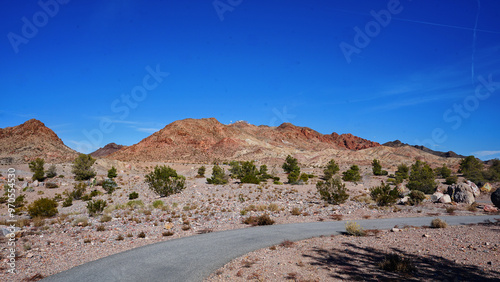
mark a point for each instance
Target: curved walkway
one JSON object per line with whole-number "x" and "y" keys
{"x": 196, "y": 257}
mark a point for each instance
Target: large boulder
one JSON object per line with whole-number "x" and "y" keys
{"x": 445, "y": 199}
{"x": 462, "y": 193}
{"x": 474, "y": 188}
{"x": 436, "y": 196}
{"x": 495, "y": 198}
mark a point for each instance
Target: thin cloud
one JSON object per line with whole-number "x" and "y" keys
{"x": 486, "y": 153}
{"x": 147, "y": 130}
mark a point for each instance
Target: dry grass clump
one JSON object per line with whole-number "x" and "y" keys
{"x": 354, "y": 229}
{"x": 105, "y": 218}
{"x": 296, "y": 211}
{"x": 438, "y": 223}
{"x": 258, "y": 220}
{"x": 167, "y": 233}
{"x": 450, "y": 209}
{"x": 396, "y": 263}
{"x": 472, "y": 207}
{"x": 287, "y": 244}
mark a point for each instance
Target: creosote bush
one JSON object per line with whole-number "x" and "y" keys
{"x": 112, "y": 173}
{"x": 201, "y": 172}
{"x": 109, "y": 185}
{"x": 352, "y": 174}
{"x": 133, "y": 195}
{"x": 43, "y": 207}
{"x": 219, "y": 176}
{"x": 165, "y": 181}
{"x": 82, "y": 167}
{"x": 258, "y": 220}
{"x": 332, "y": 191}
{"x": 384, "y": 195}
{"x": 36, "y": 167}
{"x": 416, "y": 197}
{"x": 96, "y": 207}
{"x": 377, "y": 168}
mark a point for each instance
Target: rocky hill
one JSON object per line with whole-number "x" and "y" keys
{"x": 32, "y": 139}
{"x": 449, "y": 154}
{"x": 206, "y": 140}
{"x": 106, "y": 150}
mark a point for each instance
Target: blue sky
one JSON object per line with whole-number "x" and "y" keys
{"x": 425, "y": 72}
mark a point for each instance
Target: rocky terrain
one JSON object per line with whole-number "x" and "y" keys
{"x": 106, "y": 150}
{"x": 32, "y": 139}
{"x": 449, "y": 154}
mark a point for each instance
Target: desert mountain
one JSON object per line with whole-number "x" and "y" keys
{"x": 30, "y": 140}
{"x": 449, "y": 154}
{"x": 106, "y": 150}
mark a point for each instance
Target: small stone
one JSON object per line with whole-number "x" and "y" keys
{"x": 394, "y": 229}
{"x": 425, "y": 235}
{"x": 29, "y": 255}
{"x": 490, "y": 262}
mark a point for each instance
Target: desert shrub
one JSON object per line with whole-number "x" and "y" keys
{"x": 472, "y": 207}
{"x": 201, "y": 172}
{"x": 352, "y": 174}
{"x": 134, "y": 204}
{"x": 218, "y": 176}
{"x": 51, "y": 185}
{"x": 384, "y": 195}
{"x": 442, "y": 172}
{"x": 158, "y": 204}
{"x": 472, "y": 169}
{"x": 416, "y": 197}
{"x": 438, "y": 223}
{"x": 165, "y": 181}
{"x": 452, "y": 179}
{"x": 295, "y": 211}
{"x": 451, "y": 210}
{"x": 167, "y": 233}
{"x": 36, "y": 167}
{"x": 96, "y": 207}
{"x": 332, "y": 191}
{"x": 133, "y": 195}
{"x": 291, "y": 164}
{"x": 277, "y": 182}
{"x": 119, "y": 237}
{"x": 43, "y": 207}
{"x": 109, "y": 185}
{"x": 258, "y": 220}
{"x": 51, "y": 172}
{"x": 354, "y": 229}
{"x": 396, "y": 263}
{"x": 304, "y": 177}
{"x": 402, "y": 173}
{"x": 377, "y": 168}
{"x": 141, "y": 235}
{"x": 67, "y": 202}
{"x": 235, "y": 169}
{"x": 422, "y": 178}
{"x": 82, "y": 167}
{"x": 78, "y": 190}
{"x": 112, "y": 172}
{"x": 105, "y": 218}
{"x": 101, "y": 228}
{"x": 331, "y": 169}
{"x": 57, "y": 197}
{"x": 293, "y": 177}
{"x": 249, "y": 173}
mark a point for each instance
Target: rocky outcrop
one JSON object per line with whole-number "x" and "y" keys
{"x": 106, "y": 150}
{"x": 462, "y": 193}
{"x": 31, "y": 140}
{"x": 449, "y": 154}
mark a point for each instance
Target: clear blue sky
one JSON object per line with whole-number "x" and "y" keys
{"x": 425, "y": 72}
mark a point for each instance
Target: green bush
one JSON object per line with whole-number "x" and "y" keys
{"x": 377, "y": 168}
{"x": 249, "y": 173}
{"x": 133, "y": 195}
{"x": 158, "y": 204}
{"x": 112, "y": 173}
{"x": 78, "y": 191}
{"x": 51, "y": 185}
{"x": 201, "y": 171}
{"x": 332, "y": 191}
{"x": 304, "y": 177}
{"x": 452, "y": 179}
{"x": 43, "y": 207}
{"x": 235, "y": 169}
{"x": 293, "y": 177}
{"x": 416, "y": 197}
{"x": 442, "y": 172}
{"x": 352, "y": 174}
{"x": 219, "y": 177}
{"x": 165, "y": 181}
{"x": 422, "y": 178}
{"x": 109, "y": 185}
{"x": 51, "y": 172}
{"x": 384, "y": 195}
{"x": 331, "y": 169}
{"x": 402, "y": 173}
{"x": 67, "y": 202}
{"x": 82, "y": 167}
{"x": 96, "y": 207}
{"x": 36, "y": 167}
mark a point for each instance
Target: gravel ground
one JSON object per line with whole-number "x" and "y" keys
{"x": 73, "y": 237}
{"x": 457, "y": 253}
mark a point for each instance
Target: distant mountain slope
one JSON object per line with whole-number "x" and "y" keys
{"x": 205, "y": 140}
{"x": 106, "y": 150}
{"x": 32, "y": 139}
{"x": 449, "y": 154}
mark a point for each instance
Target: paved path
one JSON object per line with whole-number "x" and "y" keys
{"x": 194, "y": 258}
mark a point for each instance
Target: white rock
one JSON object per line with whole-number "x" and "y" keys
{"x": 445, "y": 199}
{"x": 436, "y": 196}
{"x": 35, "y": 183}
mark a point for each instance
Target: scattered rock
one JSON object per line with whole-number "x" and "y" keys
{"x": 436, "y": 196}
{"x": 495, "y": 198}
{"x": 426, "y": 236}
{"x": 35, "y": 183}
{"x": 462, "y": 193}
{"x": 446, "y": 199}
{"x": 403, "y": 200}
{"x": 394, "y": 229}
{"x": 490, "y": 208}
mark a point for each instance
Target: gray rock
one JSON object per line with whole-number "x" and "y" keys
{"x": 495, "y": 198}
{"x": 436, "y": 196}
{"x": 461, "y": 193}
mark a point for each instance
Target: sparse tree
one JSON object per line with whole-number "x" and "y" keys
{"x": 219, "y": 177}
{"x": 384, "y": 195}
{"x": 165, "y": 181}
{"x": 51, "y": 172}
{"x": 201, "y": 171}
{"x": 352, "y": 174}
{"x": 402, "y": 173}
{"x": 377, "y": 168}
{"x": 332, "y": 191}
{"x": 82, "y": 167}
{"x": 331, "y": 169}
{"x": 291, "y": 164}
{"x": 422, "y": 178}
{"x": 36, "y": 167}
{"x": 442, "y": 172}
{"x": 112, "y": 173}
